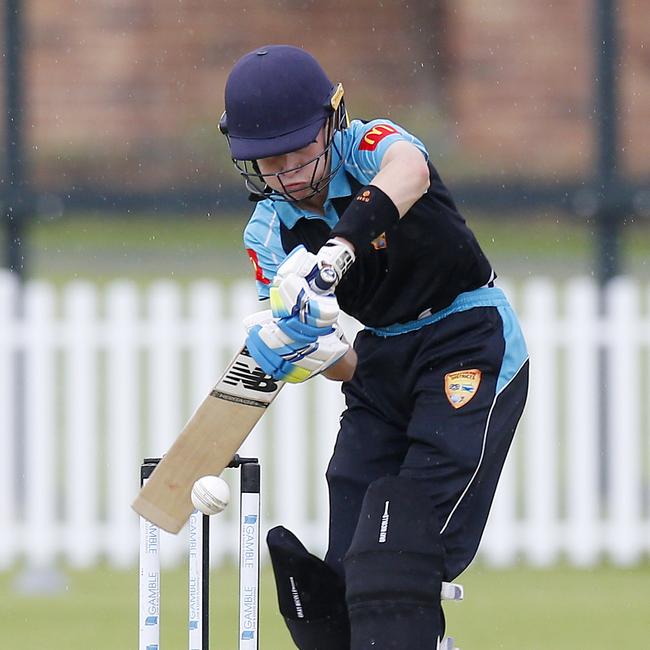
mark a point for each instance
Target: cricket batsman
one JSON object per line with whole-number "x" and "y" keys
{"x": 435, "y": 383}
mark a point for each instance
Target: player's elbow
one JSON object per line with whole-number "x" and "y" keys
{"x": 343, "y": 369}
{"x": 421, "y": 178}
{"x": 415, "y": 173}
{"x": 404, "y": 175}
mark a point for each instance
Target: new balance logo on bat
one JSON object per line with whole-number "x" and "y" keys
{"x": 252, "y": 379}
{"x": 246, "y": 383}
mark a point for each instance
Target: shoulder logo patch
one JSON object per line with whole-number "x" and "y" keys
{"x": 259, "y": 273}
{"x": 461, "y": 386}
{"x": 374, "y": 136}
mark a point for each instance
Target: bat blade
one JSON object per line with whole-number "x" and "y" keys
{"x": 208, "y": 442}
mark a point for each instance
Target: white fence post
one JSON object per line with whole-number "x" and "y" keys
{"x": 584, "y": 541}
{"x": 8, "y": 347}
{"x": 41, "y": 541}
{"x": 206, "y": 329}
{"x": 163, "y": 362}
{"x": 81, "y": 424}
{"x": 121, "y": 459}
{"x": 540, "y": 445}
{"x": 623, "y": 426}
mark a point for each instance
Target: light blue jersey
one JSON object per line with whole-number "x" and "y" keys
{"x": 362, "y": 146}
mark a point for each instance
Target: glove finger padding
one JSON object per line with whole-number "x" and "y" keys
{"x": 311, "y": 595}
{"x": 300, "y": 332}
{"x": 257, "y": 318}
{"x": 284, "y": 359}
{"x": 299, "y": 262}
{"x": 292, "y": 296}
{"x": 297, "y": 332}
{"x": 327, "y": 351}
{"x": 267, "y": 348}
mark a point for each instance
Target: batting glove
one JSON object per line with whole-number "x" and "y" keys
{"x": 292, "y": 295}
{"x": 295, "y": 293}
{"x": 283, "y": 358}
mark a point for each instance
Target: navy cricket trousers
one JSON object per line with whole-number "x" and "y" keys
{"x": 438, "y": 404}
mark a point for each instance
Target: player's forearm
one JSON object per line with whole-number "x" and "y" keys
{"x": 344, "y": 368}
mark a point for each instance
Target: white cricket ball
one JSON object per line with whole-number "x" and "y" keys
{"x": 210, "y": 495}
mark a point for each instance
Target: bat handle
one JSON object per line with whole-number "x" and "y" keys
{"x": 325, "y": 280}
{"x": 336, "y": 259}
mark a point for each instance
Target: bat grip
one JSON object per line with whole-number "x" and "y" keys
{"x": 335, "y": 259}
{"x": 325, "y": 279}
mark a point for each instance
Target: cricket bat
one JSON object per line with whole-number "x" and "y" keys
{"x": 219, "y": 426}
{"x": 208, "y": 442}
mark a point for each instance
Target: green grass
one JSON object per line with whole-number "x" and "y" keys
{"x": 559, "y": 609}
{"x": 99, "y": 611}
{"x": 516, "y": 609}
{"x": 144, "y": 247}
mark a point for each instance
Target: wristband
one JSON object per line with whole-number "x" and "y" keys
{"x": 370, "y": 214}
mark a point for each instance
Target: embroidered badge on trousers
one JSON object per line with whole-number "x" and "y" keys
{"x": 461, "y": 386}
{"x": 380, "y": 242}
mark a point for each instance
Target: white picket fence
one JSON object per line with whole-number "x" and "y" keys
{"x": 108, "y": 376}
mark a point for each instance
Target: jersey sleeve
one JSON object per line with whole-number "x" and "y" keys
{"x": 367, "y": 143}
{"x": 264, "y": 247}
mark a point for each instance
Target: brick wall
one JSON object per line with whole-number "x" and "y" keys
{"x": 635, "y": 87}
{"x": 129, "y": 91}
{"x": 523, "y": 84}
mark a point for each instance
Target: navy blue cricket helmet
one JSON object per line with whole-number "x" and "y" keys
{"x": 277, "y": 99}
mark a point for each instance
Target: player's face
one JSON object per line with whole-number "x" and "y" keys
{"x": 296, "y": 173}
